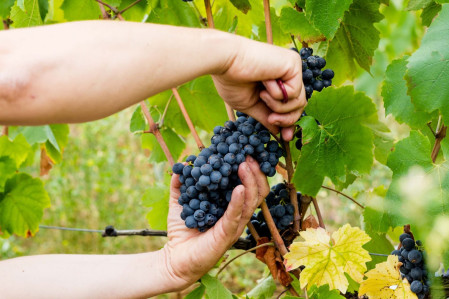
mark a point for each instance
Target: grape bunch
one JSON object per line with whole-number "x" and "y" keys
{"x": 208, "y": 180}
{"x": 313, "y": 78}
{"x": 413, "y": 265}
{"x": 312, "y": 75}
{"x": 281, "y": 209}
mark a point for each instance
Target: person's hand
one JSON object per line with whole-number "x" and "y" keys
{"x": 254, "y": 62}
{"x": 189, "y": 254}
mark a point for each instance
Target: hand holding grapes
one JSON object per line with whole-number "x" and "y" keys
{"x": 254, "y": 62}
{"x": 189, "y": 254}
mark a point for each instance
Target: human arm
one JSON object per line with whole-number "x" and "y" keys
{"x": 187, "y": 255}
{"x": 82, "y": 71}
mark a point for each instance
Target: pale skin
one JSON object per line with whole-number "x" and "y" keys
{"x": 83, "y": 71}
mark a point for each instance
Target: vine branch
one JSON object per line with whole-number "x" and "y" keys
{"x": 210, "y": 18}
{"x": 345, "y": 195}
{"x": 108, "y": 6}
{"x": 6, "y": 23}
{"x": 154, "y": 129}
{"x": 266, "y": 8}
{"x": 162, "y": 119}
{"x": 273, "y": 229}
{"x": 5, "y": 130}
{"x": 188, "y": 120}
{"x": 243, "y": 253}
{"x": 253, "y": 231}
{"x": 439, "y": 136}
{"x": 129, "y": 6}
{"x": 318, "y": 212}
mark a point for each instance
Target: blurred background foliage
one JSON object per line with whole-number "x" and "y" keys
{"x": 105, "y": 172}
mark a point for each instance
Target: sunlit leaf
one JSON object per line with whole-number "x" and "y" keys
{"x": 326, "y": 259}
{"x": 385, "y": 282}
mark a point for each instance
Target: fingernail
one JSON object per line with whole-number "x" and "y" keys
{"x": 250, "y": 159}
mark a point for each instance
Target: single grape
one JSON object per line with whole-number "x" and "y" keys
{"x": 416, "y": 287}
{"x": 408, "y": 244}
{"x": 177, "y": 168}
{"x": 327, "y": 74}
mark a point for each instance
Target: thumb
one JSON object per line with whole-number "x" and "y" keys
{"x": 228, "y": 224}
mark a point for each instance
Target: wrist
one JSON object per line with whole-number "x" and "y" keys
{"x": 223, "y": 46}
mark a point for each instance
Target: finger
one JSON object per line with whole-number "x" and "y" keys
{"x": 261, "y": 180}
{"x": 226, "y": 228}
{"x": 284, "y": 120}
{"x": 261, "y": 112}
{"x": 287, "y": 133}
{"x": 175, "y": 184}
{"x": 280, "y": 107}
{"x": 272, "y": 87}
{"x": 251, "y": 193}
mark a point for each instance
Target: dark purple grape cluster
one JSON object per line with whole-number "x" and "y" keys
{"x": 281, "y": 209}
{"x": 313, "y": 76}
{"x": 413, "y": 265}
{"x": 208, "y": 180}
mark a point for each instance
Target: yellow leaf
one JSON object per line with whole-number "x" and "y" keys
{"x": 385, "y": 282}
{"x": 326, "y": 260}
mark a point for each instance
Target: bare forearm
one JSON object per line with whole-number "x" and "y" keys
{"x": 85, "y": 276}
{"x": 83, "y": 71}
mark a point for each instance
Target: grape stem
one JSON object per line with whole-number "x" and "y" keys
{"x": 273, "y": 229}
{"x": 243, "y": 253}
{"x": 154, "y": 129}
{"x": 293, "y": 196}
{"x": 318, "y": 213}
{"x": 305, "y": 202}
{"x": 345, "y": 195}
{"x": 188, "y": 120}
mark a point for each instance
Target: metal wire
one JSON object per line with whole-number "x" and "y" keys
{"x": 71, "y": 229}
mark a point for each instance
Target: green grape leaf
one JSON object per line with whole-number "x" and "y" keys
{"x": 43, "y": 8}
{"x": 428, "y": 68}
{"x": 214, "y": 288}
{"x": 174, "y": 143}
{"x": 396, "y": 100}
{"x": 7, "y": 169}
{"x": 326, "y": 15}
{"x": 204, "y": 105}
{"x": 323, "y": 292}
{"x": 342, "y": 144}
{"x": 17, "y": 149}
{"x": 383, "y": 142}
{"x": 429, "y": 12}
{"x": 264, "y": 289}
{"x": 355, "y": 40}
{"x": 137, "y": 121}
{"x": 296, "y": 23}
{"x": 28, "y": 17}
{"x": 55, "y": 146}
{"x": 418, "y": 4}
{"x": 22, "y": 204}
{"x": 75, "y": 10}
{"x": 197, "y": 293}
{"x": 5, "y": 8}
{"x": 242, "y": 5}
{"x": 156, "y": 198}
{"x": 175, "y": 13}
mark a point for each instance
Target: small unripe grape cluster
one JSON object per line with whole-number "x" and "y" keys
{"x": 281, "y": 209}
{"x": 208, "y": 180}
{"x": 413, "y": 265}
